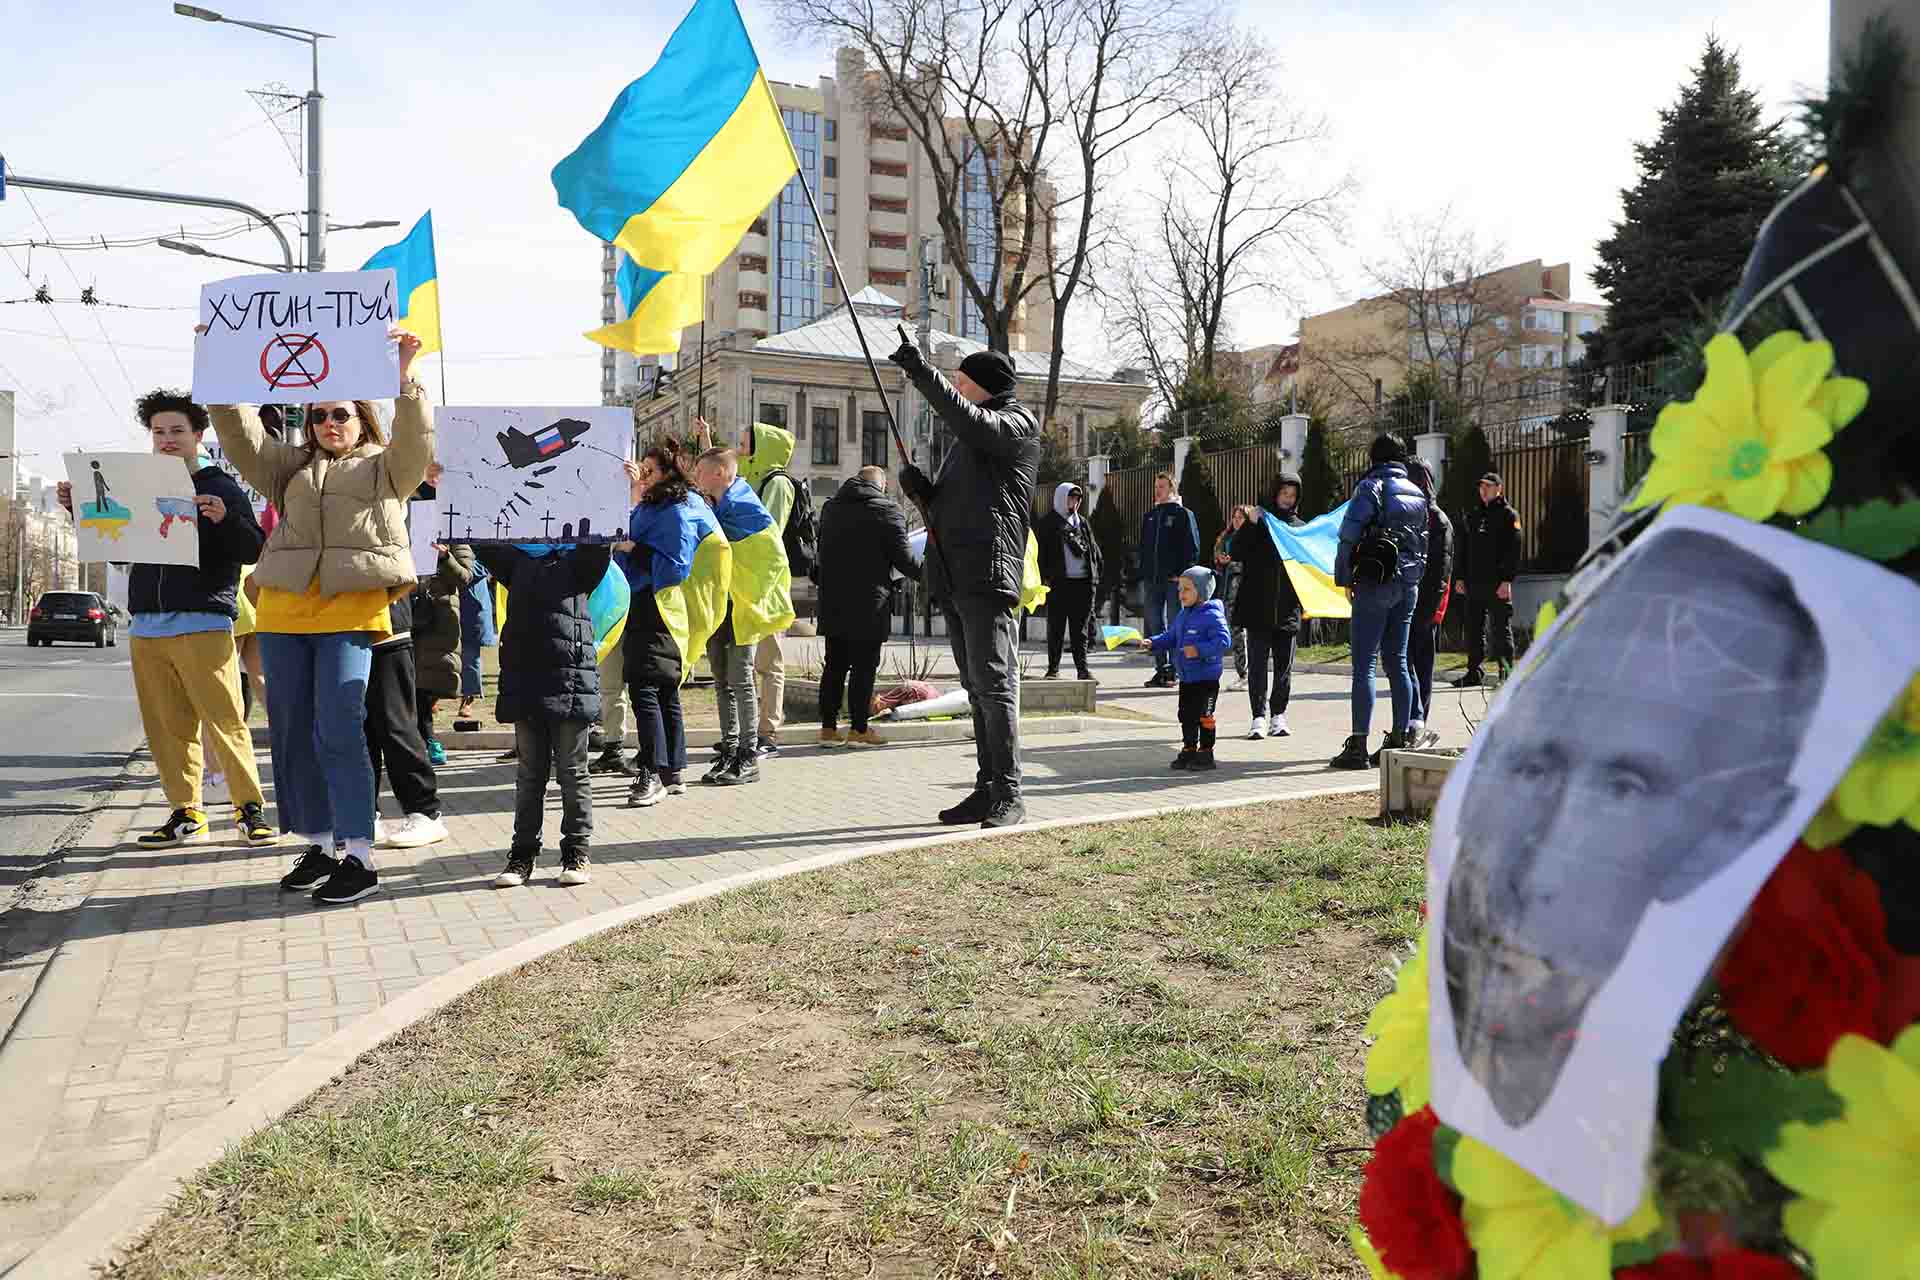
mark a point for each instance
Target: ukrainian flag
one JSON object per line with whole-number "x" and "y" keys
{"x": 416, "y": 282}
{"x": 659, "y": 305}
{"x": 762, "y": 583}
{"x": 1307, "y": 551}
{"x": 607, "y": 605}
{"x": 693, "y": 605}
{"x": 1033, "y": 590}
{"x": 691, "y": 153}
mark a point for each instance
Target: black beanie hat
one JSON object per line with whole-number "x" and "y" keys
{"x": 991, "y": 370}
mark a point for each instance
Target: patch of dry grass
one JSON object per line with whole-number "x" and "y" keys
{"x": 1114, "y": 1051}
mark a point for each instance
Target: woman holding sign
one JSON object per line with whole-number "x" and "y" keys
{"x": 339, "y": 555}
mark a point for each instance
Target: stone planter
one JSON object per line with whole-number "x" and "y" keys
{"x": 1037, "y": 697}
{"x": 1410, "y": 781}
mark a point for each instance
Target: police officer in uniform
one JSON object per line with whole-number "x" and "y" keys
{"x": 1489, "y": 557}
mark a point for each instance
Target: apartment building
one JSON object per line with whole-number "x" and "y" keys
{"x": 877, "y": 198}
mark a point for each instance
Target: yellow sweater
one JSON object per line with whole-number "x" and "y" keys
{"x": 308, "y": 613}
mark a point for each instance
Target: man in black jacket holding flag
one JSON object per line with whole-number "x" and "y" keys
{"x": 977, "y": 511}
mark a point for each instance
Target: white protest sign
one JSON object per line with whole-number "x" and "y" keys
{"x": 422, "y": 516}
{"x": 136, "y": 508}
{"x": 297, "y": 338}
{"x": 533, "y": 475}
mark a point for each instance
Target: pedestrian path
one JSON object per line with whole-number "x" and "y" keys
{"x": 186, "y": 976}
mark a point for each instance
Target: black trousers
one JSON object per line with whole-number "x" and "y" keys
{"x": 560, "y": 746}
{"x": 1277, "y": 648}
{"x": 1069, "y": 604}
{"x": 1489, "y": 629}
{"x": 986, "y": 649}
{"x": 1197, "y": 701}
{"x": 394, "y": 741}
{"x": 852, "y": 663}
{"x": 660, "y": 728}
{"x": 1422, "y": 641}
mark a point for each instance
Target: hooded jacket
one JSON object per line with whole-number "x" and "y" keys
{"x": 982, "y": 500}
{"x": 213, "y": 586}
{"x": 1437, "y": 581}
{"x": 1052, "y": 533}
{"x": 1385, "y": 496}
{"x": 770, "y": 449}
{"x": 1266, "y": 600}
{"x": 549, "y": 663}
{"x": 436, "y": 624}
{"x": 1204, "y": 626}
{"x": 343, "y": 521}
{"x": 863, "y": 542}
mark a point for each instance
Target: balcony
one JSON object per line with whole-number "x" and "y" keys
{"x": 755, "y": 281}
{"x": 754, "y": 243}
{"x": 892, "y": 184}
{"x": 752, "y": 318}
{"x": 886, "y": 222}
{"x": 888, "y": 149}
{"x": 886, "y": 259}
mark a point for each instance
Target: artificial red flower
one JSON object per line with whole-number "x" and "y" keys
{"x": 1813, "y": 962}
{"x": 1413, "y": 1218}
{"x": 1730, "y": 1264}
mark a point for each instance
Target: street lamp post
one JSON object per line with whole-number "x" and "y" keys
{"x": 316, "y": 203}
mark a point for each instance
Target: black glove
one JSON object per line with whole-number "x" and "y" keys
{"x": 914, "y": 483}
{"x": 908, "y": 355}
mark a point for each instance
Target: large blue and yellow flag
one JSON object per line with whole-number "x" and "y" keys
{"x": 762, "y": 584}
{"x": 1307, "y": 552}
{"x": 690, "y": 565}
{"x": 691, "y": 153}
{"x": 416, "y": 282}
{"x": 659, "y": 304}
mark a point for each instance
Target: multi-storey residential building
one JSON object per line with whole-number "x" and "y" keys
{"x": 877, "y": 198}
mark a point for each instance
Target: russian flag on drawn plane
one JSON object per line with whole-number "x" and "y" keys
{"x": 550, "y": 441}
{"x": 691, "y": 153}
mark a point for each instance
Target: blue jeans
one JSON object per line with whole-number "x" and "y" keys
{"x": 1382, "y": 619}
{"x": 316, "y": 712}
{"x": 470, "y": 663}
{"x": 1158, "y": 596}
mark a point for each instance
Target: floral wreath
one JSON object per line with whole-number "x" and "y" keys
{"x": 1787, "y": 1138}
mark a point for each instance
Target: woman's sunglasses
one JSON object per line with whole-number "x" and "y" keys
{"x": 339, "y": 413}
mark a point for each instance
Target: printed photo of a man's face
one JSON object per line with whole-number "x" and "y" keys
{"x": 1647, "y": 750}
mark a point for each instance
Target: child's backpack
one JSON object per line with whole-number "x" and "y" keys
{"x": 802, "y": 534}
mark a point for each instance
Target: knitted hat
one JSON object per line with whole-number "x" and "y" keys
{"x": 1202, "y": 580}
{"x": 992, "y": 371}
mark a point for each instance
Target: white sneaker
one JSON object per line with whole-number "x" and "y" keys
{"x": 1259, "y": 729}
{"x": 1277, "y": 728}
{"x": 1422, "y": 738}
{"x": 380, "y": 834}
{"x": 414, "y": 831}
{"x": 1236, "y": 684}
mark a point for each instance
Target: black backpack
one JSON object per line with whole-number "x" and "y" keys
{"x": 802, "y": 534}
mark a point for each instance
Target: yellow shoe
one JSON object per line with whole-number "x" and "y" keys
{"x": 832, "y": 738}
{"x": 871, "y": 738}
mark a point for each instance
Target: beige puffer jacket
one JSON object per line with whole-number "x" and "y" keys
{"x": 344, "y": 519}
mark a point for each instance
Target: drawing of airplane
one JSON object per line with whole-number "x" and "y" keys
{"x": 525, "y": 450}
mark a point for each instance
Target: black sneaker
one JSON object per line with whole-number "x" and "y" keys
{"x": 1471, "y": 680}
{"x": 1156, "y": 681}
{"x": 574, "y": 868}
{"x": 1084, "y": 676}
{"x": 612, "y": 760}
{"x": 253, "y": 825}
{"x": 1182, "y": 761}
{"x": 1202, "y": 762}
{"x": 1353, "y": 755}
{"x": 646, "y": 791}
{"x": 519, "y": 870}
{"x": 596, "y": 740}
{"x": 1051, "y": 673}
{"x": 349, "y": 882}
{"x": 1392, "y": 742}
{"x": 181, "y": 826}
{"x": 1008, "y": 811}
{"x": 721, "y": 763}
{"x": 740, "y": 770}
{"x": 315, "y": 865}
{"x": 509, "y": 755}
{"x": 766, "y": 748}
{"x": 973, "y": 809}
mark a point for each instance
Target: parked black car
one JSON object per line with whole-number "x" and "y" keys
{"x": 73, "y": 615}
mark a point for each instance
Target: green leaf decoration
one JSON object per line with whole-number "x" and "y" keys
{"x": 1739, "y": 1108}
{"x": 1383, "y": 1112}
{"x": 1878, "y": 530}
{"x": 1445, "y": 1142}
{"x": 1637, "y": 1253}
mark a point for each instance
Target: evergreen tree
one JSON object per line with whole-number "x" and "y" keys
{"x": 1707, "y": 180}
{"x": 1200, "y": 496}
{"x": 1110, "y": 531}
{"x": 1210, "y": 409}
{"x": 1057, "y": 465}
{"x": 1563, "y": 524}
{"x": 1125, "y": 442}
{"x": 1470, "y": 458}
{"x": 1320, "y": 480}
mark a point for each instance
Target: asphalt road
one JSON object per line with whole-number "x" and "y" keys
{"x": 68, "y": 722}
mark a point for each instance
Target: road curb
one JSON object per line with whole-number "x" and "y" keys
{"x": 897, "y": 733}
{"x": 132, "y": 1205}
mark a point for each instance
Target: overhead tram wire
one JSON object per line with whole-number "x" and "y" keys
{"x": 133, "y": 392}
{"x": 112, "y": 408}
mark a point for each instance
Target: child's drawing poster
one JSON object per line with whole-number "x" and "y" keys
{"x": 134, "y": 508}
{"x": 532, "y": 475}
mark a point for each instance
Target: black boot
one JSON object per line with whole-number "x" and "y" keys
{"x": 1392, "y": 742}
{"x": 1353, "y": 755}
{"x": 1184, "y": 760}
{"x": 1471, "y": 680}
{"x": 973, "y": 809}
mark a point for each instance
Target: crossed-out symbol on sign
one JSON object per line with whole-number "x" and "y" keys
{"x": 285, "y": 361}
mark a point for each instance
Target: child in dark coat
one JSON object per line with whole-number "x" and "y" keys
{"x": 1199, "y": 640}
{"x": 549, "y": 693}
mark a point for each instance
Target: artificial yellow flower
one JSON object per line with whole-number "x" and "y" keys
{"x": 1369, "y": 1256}
{"x": 1521, "y": 1227}
{"x": 1882, "y": 786}
{"x": 1399, "y": 1058}
{"x": 1859, "y": 1175}
{"x": 1752, "y": 440}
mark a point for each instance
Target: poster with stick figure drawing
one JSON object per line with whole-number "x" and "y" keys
{"x": 532, "y": 475}
{"x": 134, "y": 508}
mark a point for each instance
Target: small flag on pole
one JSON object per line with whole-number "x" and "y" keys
{"x": 1114, "y": 637}
{"x": 416, "y": 279}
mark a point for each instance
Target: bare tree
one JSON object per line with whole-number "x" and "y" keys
{"x": 1233, "y": 219}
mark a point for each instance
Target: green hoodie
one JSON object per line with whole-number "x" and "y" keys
{"x": 772, "y": 448}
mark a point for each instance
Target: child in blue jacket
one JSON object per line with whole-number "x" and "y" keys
{"x": 1198, "y": 639}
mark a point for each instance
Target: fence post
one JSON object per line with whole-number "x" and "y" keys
{"x": 1606, "y": 444}
{"x": 1293, "y": 441}
{"x": 1431, "y": 446}
{"x": 1096, "y": 478}
{"x": 1181, "y": 448}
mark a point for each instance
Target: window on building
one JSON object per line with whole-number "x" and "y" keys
{"x": 774, "y": 415}
{"x": 895, "y": 278}
{"x": 873, "y": 439}
{"x": 832, "y": 129}
{"x": 1542, "y": 320}
{"x": 753, "y": 301}
{"x": 887, "y": 204}
{"x": 833, "y": 167}
{"x": 1588, "y": 324}
{"x": 1503, "y": 324}
{"x": 888, "y": 169}
{"x": 891, "y": 132}
{"x": 759, "y": 227}
{"x": 826, "y": 436}
{"x": 885, "y": 240}
{"x": 753, "y": 262}
{"x": 829, "y": 203}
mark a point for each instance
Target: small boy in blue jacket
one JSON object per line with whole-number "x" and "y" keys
{"x": 1198, "y": 639}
